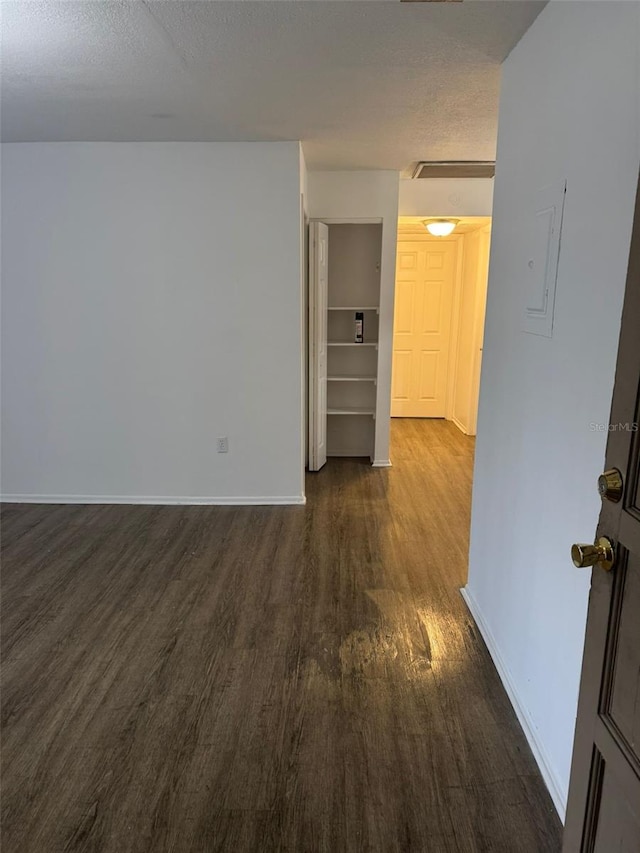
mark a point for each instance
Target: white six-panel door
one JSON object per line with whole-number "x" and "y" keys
{"x": 318, "y": 300}
{"x": 425, "y": 277}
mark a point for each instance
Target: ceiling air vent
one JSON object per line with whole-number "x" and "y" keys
{"x": 455, "y": 169}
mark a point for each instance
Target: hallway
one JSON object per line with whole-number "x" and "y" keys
{"x": 262, "y": 678}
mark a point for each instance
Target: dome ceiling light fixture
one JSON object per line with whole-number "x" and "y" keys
{"x": 440, "y": 227}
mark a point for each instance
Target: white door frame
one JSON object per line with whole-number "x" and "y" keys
{"x": 318, "y": 297}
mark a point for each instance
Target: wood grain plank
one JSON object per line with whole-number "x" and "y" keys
{"x": 261, "y": 678}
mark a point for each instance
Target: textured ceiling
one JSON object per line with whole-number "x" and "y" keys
{"x": 363, "y": 84}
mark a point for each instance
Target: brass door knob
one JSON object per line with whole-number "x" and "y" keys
{"x": 610, "y": 485}
{"x": 601, "y": 553}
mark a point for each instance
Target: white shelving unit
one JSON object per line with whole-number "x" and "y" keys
{"x": 352, "y": 379}
{"x": 352, "y": 371}
{"x": 354, "y": 308}
{"x": 352, "y": 344}
{"x": 352, "y": 410}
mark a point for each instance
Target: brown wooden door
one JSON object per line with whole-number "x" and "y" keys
{"x": 603, "y": 812}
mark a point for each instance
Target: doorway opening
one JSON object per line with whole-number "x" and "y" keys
{"x": 344, "y": 320}
{"x": 440, "y": 301}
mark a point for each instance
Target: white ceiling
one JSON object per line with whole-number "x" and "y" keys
{"x": 363, "y": 84}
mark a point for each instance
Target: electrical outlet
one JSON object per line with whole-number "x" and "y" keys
{"x": 223, "y": 444}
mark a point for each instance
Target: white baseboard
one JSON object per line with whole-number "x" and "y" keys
{"x": 558, "y": 795}
{"x": 460, "y": 425}
{"x": 279, "y": 500}
{"x": 381, "y": 463}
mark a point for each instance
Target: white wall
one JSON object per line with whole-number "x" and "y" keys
{"x": 445, "y": 197}
{"x": 152, "y": 302}
{"x": 304, "y": 320}
{"x": 468, "y": 350}
{"x": 368, "y": 195}
{"x": 569, "y": 109}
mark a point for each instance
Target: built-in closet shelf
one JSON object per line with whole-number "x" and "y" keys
{"x": 353, "y": 294}
{"x": 355, "y": 308}
{"x": 373, "y": 379}
{"x": 352, "y": 410}
{"x": 352, "y": 344}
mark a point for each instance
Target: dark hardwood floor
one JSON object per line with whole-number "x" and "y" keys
{"x": 259, "y": 679}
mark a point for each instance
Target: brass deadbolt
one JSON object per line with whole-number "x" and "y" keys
{"x": 610, "y": 485}
{"x": 601, "y": 553}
